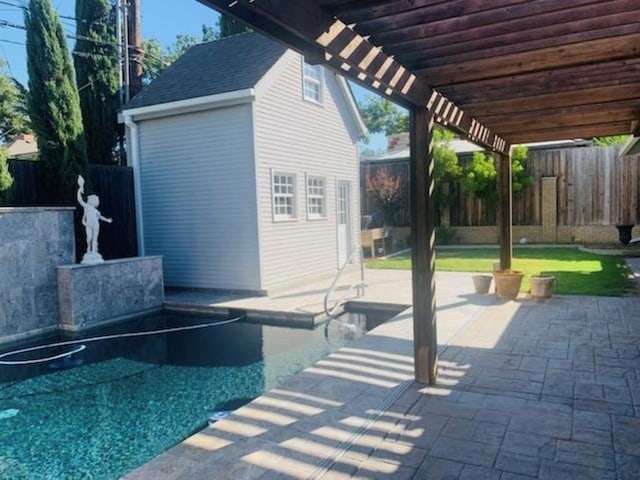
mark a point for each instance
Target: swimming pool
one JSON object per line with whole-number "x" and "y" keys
{"x": 118, "y": 403}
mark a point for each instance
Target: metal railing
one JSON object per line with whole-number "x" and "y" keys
{"x": 359, "y": 286}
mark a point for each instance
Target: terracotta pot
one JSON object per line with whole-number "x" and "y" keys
{"x": 542, "y": 286}
{"x": 482, "y": 283}
{"x": 508, "y": 283}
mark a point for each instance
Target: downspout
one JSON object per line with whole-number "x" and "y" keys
{"x": 134, "y": 156}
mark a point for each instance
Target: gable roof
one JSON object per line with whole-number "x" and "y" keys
{"x": 233, "y": 63}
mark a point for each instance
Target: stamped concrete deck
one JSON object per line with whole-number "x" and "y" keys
{"x": 527, "y": 389}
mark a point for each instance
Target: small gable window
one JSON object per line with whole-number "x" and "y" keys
{"x": 312, "y": 82}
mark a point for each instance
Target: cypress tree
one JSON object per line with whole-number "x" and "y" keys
{"x": 54, "y": 105}
{"x": 6, "y": 180}
{"x": 96, "y": 65}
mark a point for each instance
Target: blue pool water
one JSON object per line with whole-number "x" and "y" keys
{"x": 119, "y": 403}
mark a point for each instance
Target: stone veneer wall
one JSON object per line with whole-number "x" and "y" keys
{"x": 33, "y": 241}
{"x": 92, "y": 295}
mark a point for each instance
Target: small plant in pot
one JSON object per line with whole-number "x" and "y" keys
{"x": 541, "y": 285}
{"x": 508, "y": 283}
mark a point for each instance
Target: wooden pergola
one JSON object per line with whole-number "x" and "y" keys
{"x": 497, "y": 72}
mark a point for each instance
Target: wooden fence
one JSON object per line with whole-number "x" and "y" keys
{"x": 596, "y": 186}
{"x": 113, "y": 184}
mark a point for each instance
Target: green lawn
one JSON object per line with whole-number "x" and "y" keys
{"x": 576, "y": 272}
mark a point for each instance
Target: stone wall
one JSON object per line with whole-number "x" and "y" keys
{"x": 92, "y": 295}
{"x": 33, "y": 241}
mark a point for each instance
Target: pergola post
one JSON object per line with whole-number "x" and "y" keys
{"x": 505, "y": 211}
{"x": 425, "y": 344}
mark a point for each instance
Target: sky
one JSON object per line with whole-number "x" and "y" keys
{"x": 162, "y": 19}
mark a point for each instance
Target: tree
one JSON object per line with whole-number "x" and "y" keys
{"x": 388, "y": 192}
{"x": 480, "y": 176}
{"x": 13, "y": 109}
{"x": 607, "y": 141}
{"x": 54, "y": 105}
{"x": 97, "y": 76}
{"x": 227, "y": 25}
{"x": 156, "y": 58}
{"x": 382, "y": 116}
{"x": 6, "y": 180}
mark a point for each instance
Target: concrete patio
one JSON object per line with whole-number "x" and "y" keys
{"x": 528, "y": 389}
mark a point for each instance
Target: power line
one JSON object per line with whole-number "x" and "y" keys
{"x": 6, "y": 23}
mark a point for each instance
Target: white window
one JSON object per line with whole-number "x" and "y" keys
{"x": 312, "y": 82}
{"x": 316, "y": 195}
{"x": 284, "y": 196}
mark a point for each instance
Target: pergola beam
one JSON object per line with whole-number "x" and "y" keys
{"x": 564, "y": 79}
{"x": 307, "y": 26}
{"x": 500, "y": 19}
{"x": 598, "y": 21}
{"x": 559, "y": 19}
{"x": 587, "y": 115}
{"x": 550, "y": 134}
{"x": 552, "y": 100}
{"x": 587, "y": 52}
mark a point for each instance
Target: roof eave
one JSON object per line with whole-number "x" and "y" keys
{"x": 190, "y": 105}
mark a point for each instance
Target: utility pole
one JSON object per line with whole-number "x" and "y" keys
{"x": 120, "y": 49}
{"x": 127, "y": 62}
{"x": 134, "y": 47}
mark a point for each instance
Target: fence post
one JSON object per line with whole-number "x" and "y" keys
{"x": 549, "y": 209}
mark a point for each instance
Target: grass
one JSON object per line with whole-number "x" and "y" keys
{"x": 576, "y": 272}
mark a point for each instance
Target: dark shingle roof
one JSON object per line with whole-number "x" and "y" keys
{"x": 233, "y": 63}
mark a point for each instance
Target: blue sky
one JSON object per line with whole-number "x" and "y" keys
{"x": 162, "y": 19}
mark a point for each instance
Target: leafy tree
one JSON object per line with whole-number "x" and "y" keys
{"x": 227, "y": 25}
{"x": 382, "y": 116}
{"x": 54, "y": 104}
{"x": 6, "y": 180}
{"x": 480, "y": 176}
{"x": 13, "y": 109}
{"x": 607, "y": 141}
{"x": 520, "y": 179}
{"x": 388, "y": 192}
{"x": 97, "y": 76}
{"x": 156, "y": 58}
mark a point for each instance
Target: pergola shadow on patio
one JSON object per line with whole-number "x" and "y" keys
{"x": 527, "y": 390}
{"x": 496, "y": 72}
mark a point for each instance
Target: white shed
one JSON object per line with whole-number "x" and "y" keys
{"x": 246, "y": 167}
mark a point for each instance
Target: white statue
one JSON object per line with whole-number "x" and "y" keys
{"x": 91, "y": 221}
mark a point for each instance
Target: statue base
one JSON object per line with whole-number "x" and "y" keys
{"x": 96, "y": 295}
{"x": 91, "y": 258}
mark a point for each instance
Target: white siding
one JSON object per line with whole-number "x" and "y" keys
{"x": 198, "y": 198}
{"x": 300, "y": 137}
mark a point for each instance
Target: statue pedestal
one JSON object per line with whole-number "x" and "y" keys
{"x": 90, "y": 258}
{"x": 91, "y": 295}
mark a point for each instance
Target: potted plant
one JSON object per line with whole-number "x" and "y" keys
{"x": 541, "y": 285}
{"x": 482, "y": 283}
{"x": 508, "y": 283}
